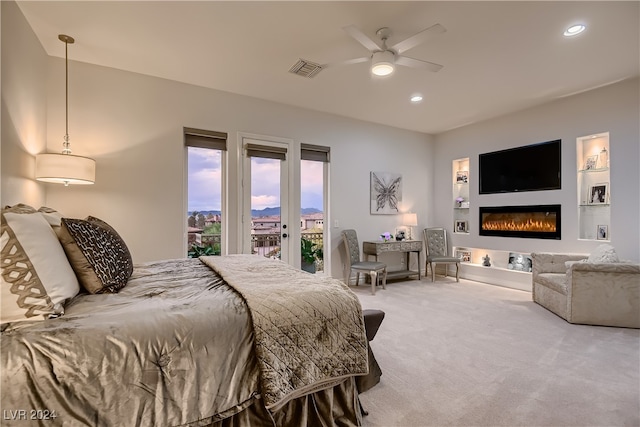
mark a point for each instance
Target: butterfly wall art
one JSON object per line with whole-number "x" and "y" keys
{"x": 386, "y": 192}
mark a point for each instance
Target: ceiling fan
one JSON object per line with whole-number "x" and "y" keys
{"x": 383, "y": 58}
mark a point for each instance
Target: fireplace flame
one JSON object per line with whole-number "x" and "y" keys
{"x": 521, "y": 221}
{"x": 527, "y": 225}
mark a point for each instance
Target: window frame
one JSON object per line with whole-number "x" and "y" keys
{"x": 213, "y": 140}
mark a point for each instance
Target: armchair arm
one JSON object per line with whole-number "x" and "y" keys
{"x": 604, "y": 294}
{"x": 609, "y": 267}
{"x": 553, "y": 263}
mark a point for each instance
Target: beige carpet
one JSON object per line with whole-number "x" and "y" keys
{"x": 471, "y": 354}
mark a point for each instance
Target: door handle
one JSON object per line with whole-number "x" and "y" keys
{"x": 284, "y": 235}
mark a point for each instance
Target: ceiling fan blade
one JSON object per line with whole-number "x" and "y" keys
{"x": 418, "y": 38}
{"x": 362, "y": 38}
{"x": 347, "y": 62}
{"x": 417, "y": 63}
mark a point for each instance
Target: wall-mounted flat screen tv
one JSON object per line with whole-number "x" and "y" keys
{"x": 533, "y": 167}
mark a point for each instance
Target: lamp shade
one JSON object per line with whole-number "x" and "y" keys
{"x": 410, "y": 219}
{"x": 65, "y": 169}
{"x": 382, "y": 63}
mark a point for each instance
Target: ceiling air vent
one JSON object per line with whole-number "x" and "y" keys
{"x": 305, "y": 68}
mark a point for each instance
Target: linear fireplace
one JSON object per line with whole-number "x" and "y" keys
{"x": 535, "y": 222}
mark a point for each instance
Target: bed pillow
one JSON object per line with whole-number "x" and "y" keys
{"x": 97, "y": 254}
{"x": 36, "y": 278}
{"x": 603, "y": 254}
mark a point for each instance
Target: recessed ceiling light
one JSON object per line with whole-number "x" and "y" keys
{"x": 416, "y": 98}
{"x": 574, "y": 30}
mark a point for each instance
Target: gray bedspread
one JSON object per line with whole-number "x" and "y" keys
{"x": 175, "y": 346}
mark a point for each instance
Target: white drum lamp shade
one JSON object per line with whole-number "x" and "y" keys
{"x": 65, "y": 169}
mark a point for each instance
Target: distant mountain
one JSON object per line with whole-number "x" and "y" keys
{"x": 205, "y": 213}
{"x": 263, "y": 212}
{"x": 276, "y": 211}
{"x": 305, "y": 211}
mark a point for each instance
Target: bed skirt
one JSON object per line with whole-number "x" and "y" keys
{"x": 339, "y": 403}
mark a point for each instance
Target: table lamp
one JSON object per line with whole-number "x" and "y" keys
{"x": 410, "y": 220}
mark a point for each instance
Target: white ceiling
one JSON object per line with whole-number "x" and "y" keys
{"x": 498, "y": 57}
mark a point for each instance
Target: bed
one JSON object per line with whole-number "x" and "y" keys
{"x": 216, "y": 341}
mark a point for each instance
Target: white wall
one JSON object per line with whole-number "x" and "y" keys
{"x": 131, "y": 125}
{"x": 613, "y": 109}
{"x": 24, "y": 101}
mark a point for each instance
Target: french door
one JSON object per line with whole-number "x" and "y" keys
{"x": 266, "y": 195}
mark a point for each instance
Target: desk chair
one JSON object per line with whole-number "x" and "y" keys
{"x": 435, "y": 240}
{"x": 373, "y": 268}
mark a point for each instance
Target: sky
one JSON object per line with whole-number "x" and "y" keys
{"x": 204, "y": 174}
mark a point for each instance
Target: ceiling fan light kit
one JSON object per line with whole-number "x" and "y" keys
{"x": 382, "y": 63}
{"x": 383, "y": 59}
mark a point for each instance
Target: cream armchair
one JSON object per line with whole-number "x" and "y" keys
{"x": 606, "y": 294}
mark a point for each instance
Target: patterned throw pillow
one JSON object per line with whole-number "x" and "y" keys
{"x": 97, "y": 254}
{"x": 36, "y": 278}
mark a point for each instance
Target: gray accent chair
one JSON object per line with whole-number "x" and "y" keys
{"x": 372, "y": 268}
{"x": 435, "y": 240}
{"x": 588, "y": 293}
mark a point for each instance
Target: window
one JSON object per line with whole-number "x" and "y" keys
{"x": 266, "y": 170}
{"x": 314, "y": 161}
{"x": 205, "y": 211}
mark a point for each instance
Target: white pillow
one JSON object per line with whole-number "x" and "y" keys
{"x": 36, "y": 278}
{"x": 603, "y": 254}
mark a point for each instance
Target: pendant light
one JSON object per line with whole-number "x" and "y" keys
{"x": 65, "y": 168}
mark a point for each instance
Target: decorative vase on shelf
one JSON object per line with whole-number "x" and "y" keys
{"x": 603, "y": 158}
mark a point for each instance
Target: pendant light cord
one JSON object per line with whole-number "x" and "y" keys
{"x": 66, "y": 85}
{"x": 65, "y": 144}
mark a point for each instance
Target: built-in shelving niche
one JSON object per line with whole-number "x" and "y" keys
{"x": 594, "y": 187}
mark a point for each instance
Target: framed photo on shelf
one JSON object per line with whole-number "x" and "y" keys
{"x": 462, "y": 177}
{"x": 519, "y": 262}
{"x": 590, "y": 162}
{"x": 461, "y": 226}
{"x": 464, "y": 255}
{"x": 598, "y": 194}
{"x": 602, "y": 233}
